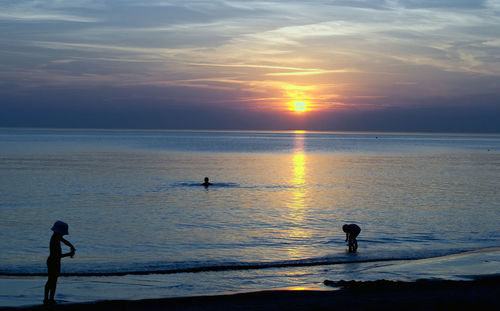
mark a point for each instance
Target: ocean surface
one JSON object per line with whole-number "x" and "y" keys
{"x": 273, "y": 217}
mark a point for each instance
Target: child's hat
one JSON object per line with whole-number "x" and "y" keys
{"x": 60, "y": 227}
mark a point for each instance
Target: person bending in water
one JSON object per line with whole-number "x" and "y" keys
{"x": 206, "y": 183}
{"x": 351, "y": 232}
{"x": 60, "y": 228}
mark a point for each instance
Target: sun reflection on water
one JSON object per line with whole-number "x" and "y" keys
{"x": 298, "y": 229}
{"x": 299, "y": 180}
{"x": 299, "y": 170}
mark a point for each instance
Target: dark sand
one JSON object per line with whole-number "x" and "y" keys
{"x": 482, "y": 294}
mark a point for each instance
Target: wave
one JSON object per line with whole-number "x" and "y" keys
{"x": 197, "y": 267}
{"x": 223, "y": 267}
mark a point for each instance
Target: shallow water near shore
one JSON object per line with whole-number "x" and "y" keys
{"x": 464, "y": 266}
{"x": 134, "y": 203}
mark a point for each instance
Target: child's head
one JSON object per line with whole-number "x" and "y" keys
{"x": 344, "y": 227}
{"x": 60, "y": 227}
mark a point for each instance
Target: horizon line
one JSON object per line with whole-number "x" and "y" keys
{"x": 247, "y": 130}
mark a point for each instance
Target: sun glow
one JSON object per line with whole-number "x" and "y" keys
{"x": 299, "y": 106}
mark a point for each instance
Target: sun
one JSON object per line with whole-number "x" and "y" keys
{"x": 299, "y": 106}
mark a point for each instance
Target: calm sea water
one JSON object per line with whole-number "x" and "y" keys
{"x": 134, "y": 203}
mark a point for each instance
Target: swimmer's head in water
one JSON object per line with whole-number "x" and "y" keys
{"x": 206, "y": 179}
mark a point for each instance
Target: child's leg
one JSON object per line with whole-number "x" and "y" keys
{"x": 53, "y": 270}
{"x": 48, "y": 284}
{"x": 47, "y": 289}
{"x": 50, "y": 288}
{"x": 53, "y": 287}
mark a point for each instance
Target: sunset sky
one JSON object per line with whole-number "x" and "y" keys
{"x": 375, "y": 65}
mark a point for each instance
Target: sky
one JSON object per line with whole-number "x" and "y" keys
{"x": 360, "y": 65}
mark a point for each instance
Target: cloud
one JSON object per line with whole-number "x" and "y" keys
{"x": 339, "y": 55}
{"x": 45, "y": 11}
{"x": 446, "y": 4}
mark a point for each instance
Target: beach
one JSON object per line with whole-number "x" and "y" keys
{"x": 469, "y": 280}
{"x": 482, "y": 294}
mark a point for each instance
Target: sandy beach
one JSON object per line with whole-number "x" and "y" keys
{"x": 483, "y": 294}
{"x": 468, "y": 280}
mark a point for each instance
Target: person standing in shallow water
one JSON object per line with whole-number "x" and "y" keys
{"x": 60, "y": 229}
{"x": 351, "y": 232}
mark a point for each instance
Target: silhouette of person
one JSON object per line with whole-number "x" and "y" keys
{"x": 206, "y": 183}
{"x": 351, "y": 232}
{"x": 60, "y": 228}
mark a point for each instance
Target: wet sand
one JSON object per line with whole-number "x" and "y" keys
{"x": 483, "y": 294}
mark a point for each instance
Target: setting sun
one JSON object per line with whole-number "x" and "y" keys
{"x": 300, "y": 106}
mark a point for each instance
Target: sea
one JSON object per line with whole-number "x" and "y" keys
{"x": 143, "y": 225}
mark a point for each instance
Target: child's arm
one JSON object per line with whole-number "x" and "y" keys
{"x": 67, "y": 243}
{"x": 72, "y": 252}
{"x": 346, "y": 236}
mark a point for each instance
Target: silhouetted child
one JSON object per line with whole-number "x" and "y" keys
{"x": 60, "y": 228}
{"x": 206, "y": 183}
{"x": 351, "y": 232}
